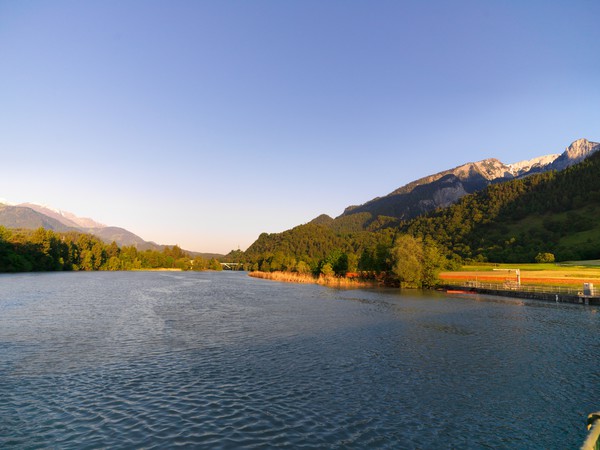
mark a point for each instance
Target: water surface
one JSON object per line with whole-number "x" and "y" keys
{"x": 222, "y": 360}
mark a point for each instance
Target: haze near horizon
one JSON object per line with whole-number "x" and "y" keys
{"x": 204, "y": 124}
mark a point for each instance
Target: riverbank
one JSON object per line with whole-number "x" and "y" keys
{"x": 294, "y": 277}
{"x": 573, "y": 276}
{"x": 525, "y": 292}
{"x": 547, "y": 282}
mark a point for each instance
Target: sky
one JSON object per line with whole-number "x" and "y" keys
{"x": 205, "y": 123}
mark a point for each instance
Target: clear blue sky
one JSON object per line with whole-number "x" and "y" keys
{"x": 205, "y": 123}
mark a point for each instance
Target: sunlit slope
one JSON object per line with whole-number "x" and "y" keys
{"x": 557, "y": 212}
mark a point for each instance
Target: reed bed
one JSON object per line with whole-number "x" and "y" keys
{"x": 294, "y": 277}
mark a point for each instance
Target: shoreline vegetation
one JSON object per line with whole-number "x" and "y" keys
{"x": 352, "y": 281}
{"x": 42, "y": 250}
{"x": 409, "y": 263}
{"x": 550, "y": 276}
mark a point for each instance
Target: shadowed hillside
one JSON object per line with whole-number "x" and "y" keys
{"x": 552, "y": 211}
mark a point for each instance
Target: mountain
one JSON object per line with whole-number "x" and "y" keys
{"x": 23, "y": 217}
{"x": 122, "y": 237}
{"x": 554, "y": 212}
{"x": 559, "y": 215}
{"x": 534, "y": 165}
{"x": 67, "y": 218}
{"x": 576, "y": 152}
{"x": 107, "y": 234}
{"x": 445, "y": 188}
{"x": 32, "y": 216}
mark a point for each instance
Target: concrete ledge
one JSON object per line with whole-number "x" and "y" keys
{"x": 544, "y": 296}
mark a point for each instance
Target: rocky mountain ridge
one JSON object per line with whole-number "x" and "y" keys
{"x": 525, "y": 167}
{"x": 445, "y": 188}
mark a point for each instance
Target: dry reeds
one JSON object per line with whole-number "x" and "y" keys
{"x": 294, "y": 277}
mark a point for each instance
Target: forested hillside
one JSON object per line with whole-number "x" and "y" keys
{"x": 554, "y": 213}
{"x": 307, "y": 248}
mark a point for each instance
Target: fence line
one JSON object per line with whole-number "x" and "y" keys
{"x": 513, "y": 286}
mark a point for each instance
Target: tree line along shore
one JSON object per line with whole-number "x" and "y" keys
{"x": 411, "y": 262}
{"x": 46, "y": 250}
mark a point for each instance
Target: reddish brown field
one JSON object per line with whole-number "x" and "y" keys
{"x": 550, "y": 277}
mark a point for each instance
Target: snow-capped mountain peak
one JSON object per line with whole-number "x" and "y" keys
{"x": 530, "y": 165}
{"x": 3, "y": 201}
{"x": 65, "y": 217}
{"x": 443, "y": 188}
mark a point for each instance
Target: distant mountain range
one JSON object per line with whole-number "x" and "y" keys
{"x": 445, "y": 188}
{"x": 32, "y": 216}
{"x": 66, "y": 218}
{"x": 426, "y": 194}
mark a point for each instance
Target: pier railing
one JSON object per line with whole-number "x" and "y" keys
{"x": 563, "y": 294}
{"x": 513, "y": 286}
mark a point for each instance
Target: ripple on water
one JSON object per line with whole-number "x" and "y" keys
{"x": 195, "y": 360}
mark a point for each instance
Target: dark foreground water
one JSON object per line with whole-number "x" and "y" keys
{"x": 221, "y": 360}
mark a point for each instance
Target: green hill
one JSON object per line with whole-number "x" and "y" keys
{"x": 512, "y": 221}
{"x": 556, "y": 212}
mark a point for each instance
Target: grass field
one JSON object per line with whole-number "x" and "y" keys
{"x": 572, "y": 274}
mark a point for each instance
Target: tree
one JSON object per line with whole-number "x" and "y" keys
{"x": 114, "y": 263}
{"x": 338, "y": 261}
{"x": 327, "y": 270}
{"x": 433, "y": 262}
{"x": 199, "y": 263}
{"x": 302, "y": 268}
{"x": 406, "y": 258}
{"x": 98, "y": 255}
{"x": 175, "y": 252}
{"x": 213, "y": 264}
{"x": 352, "y": 262}
{"x": 128, "y": 257}
{"x": 112, "y": 250}
{"x": 544, "y": 257}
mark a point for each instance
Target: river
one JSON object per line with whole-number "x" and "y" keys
{"x": 222, "y": 360}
